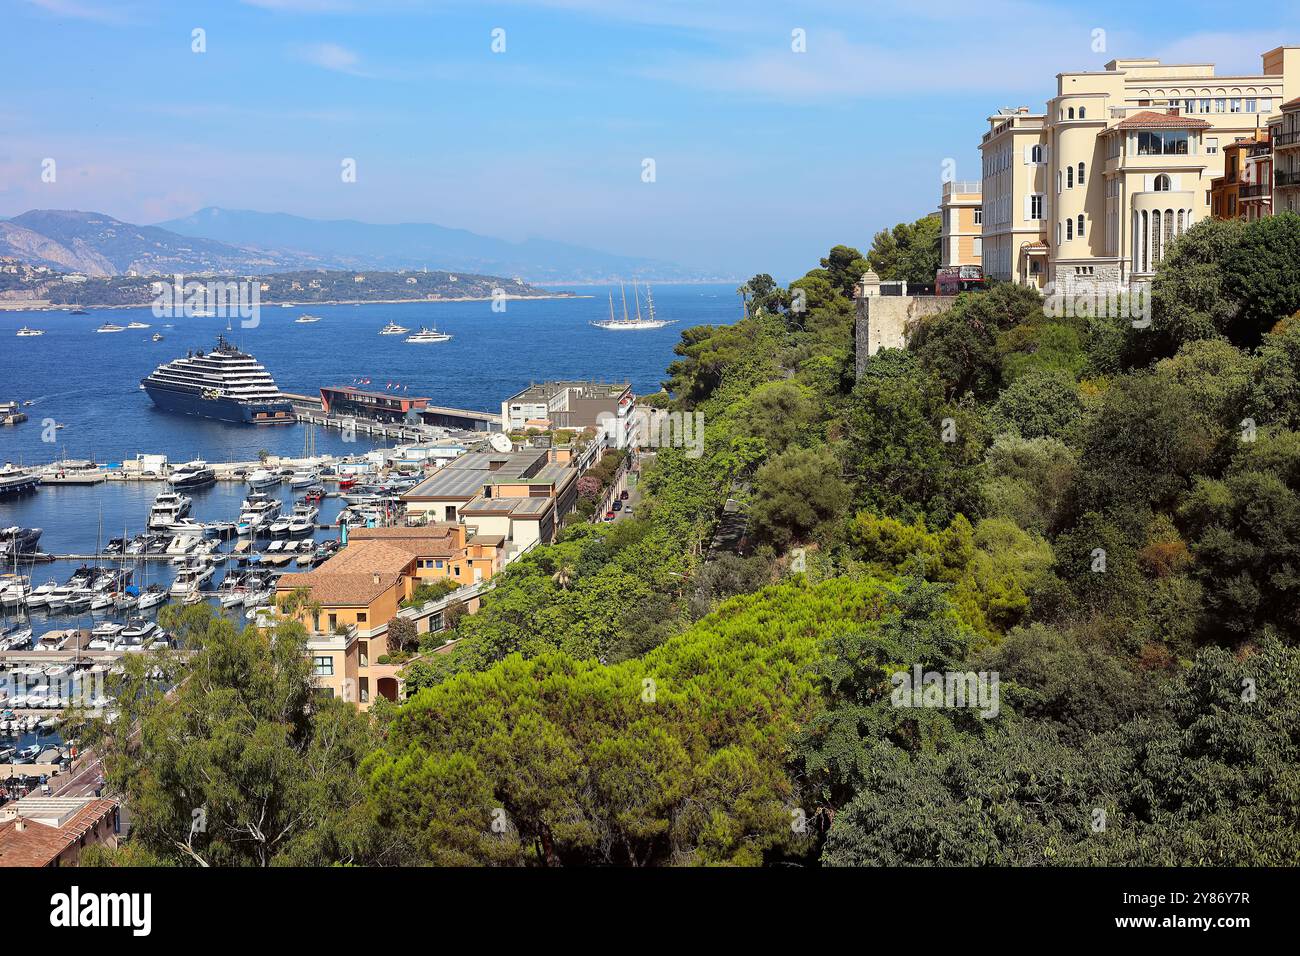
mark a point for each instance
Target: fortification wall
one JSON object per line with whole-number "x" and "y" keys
{"x": 886, "y": 321}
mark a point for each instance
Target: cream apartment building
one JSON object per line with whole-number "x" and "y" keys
{"x": 1090, "y": 194}
{"x": 961, "y": 232}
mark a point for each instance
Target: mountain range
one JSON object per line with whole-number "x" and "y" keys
{"x": 244, "y": 242}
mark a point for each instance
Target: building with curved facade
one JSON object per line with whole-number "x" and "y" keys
{"x": 1090, "y": 194}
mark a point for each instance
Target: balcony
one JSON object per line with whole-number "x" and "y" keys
{"x": 1284, "y": 178}
{"x": 1253, "y": 191}
{"x": 1284, "y": 140}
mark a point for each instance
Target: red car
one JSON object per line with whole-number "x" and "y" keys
{"x": 609, "y": 516}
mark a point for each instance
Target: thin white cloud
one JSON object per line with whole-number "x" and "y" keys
{"x": 330, "y": 56}
{"x": 76, "y": 10}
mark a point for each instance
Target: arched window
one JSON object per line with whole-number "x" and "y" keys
{"x": 1069, "y": 177}
{"x": 1081, "y": 170}
{"x": 1071, "y": 112}
{"x": 1083, "y": 112}
{"x": 1162, "y": 183}
{"x": 1080, "y": 225}
{"x": 1069, "y": 229}
{"x": 1036, "y": 153}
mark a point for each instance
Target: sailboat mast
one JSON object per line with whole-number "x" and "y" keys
{"x": 637, "y": 299}
{"x": 623, "y": 292}
{"x": 611, "y": 306}
{"x": 650, "y": 303}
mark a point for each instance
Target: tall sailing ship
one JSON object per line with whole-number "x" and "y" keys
{"x": 223, "y": 383}
{"x": 639, "y": 322}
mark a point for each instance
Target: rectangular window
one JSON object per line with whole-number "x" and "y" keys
{"x": 1036, "y": 206}
{"x": 361, "y": 617}
{"x": 1211, "y": 144}
{"x": 979, "y": 217}
{"x": 978, "y": 246}
{"x": 1252, "y": 106}
{"x": 324, "y": 666}
{"x": 1220, "y": 104}
{"x": 1266, "y": 105}
{"x": 1234, "y": 105}
{"x": 1172, "y": 142}
{"x": 1205, "y": 105}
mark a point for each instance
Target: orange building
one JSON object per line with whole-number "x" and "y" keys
{"x": 352, "y": 597}
{"x": 1239, "y": 190}
{"x": 52, "y": 831}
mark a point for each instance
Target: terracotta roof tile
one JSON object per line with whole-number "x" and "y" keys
{"x": 38, "y": 844}
{"x": 1150, "y": 120}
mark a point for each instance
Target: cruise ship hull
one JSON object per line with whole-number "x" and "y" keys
{"x": 222, "y": 409}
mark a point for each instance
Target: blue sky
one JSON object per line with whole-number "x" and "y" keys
{"x": 764, "y": 157}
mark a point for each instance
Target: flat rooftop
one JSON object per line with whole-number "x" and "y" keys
{"x": 544, "y": 391}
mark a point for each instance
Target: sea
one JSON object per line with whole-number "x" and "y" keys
{"x": 89, "y": 383}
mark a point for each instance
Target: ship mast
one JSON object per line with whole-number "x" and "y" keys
{"x": 623, "y": 292}
{"x": 637, "y": 299}
{"x": 650, "y": 303}
{"x": 611, "y": 306}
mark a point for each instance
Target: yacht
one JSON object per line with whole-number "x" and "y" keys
{"x": 110, "y": 327}
{"x": 257, "y": 512}
{"x": 40, "y": 596}
{"x": 639, "y": 322}
{"x": 303, "y": 519}
{"x": 137, "y": 325}
{"x": 26, "y": 333}
{"x": 156, "y": 337}
{"x": 168, "y": 508}
{"x": 392, "y": 328}
{"x": 190, "y": 579}
{"x": 223, "y": 383}
{"x": 306, "y": 319}
{"x": 151, "y": 596}
{"x": 193, "y": 474}
{"x": 139, "y": 630}
{"x": 15, "y": 541}
{"x": 182, "y": 545}
{"x": 261, "y": 478}
{"x": 14, "y": 589}
{"x": 14, "y": 481}
{"x": 189, "y": 527}
{"x": 60, "y": 596}
{"x": 302, "y": 478}
{"x": 428, "y": 335}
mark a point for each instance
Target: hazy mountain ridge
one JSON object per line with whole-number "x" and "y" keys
{"x": 96, "y": 244}
{"x": 243, "y": 242}
{"x": 353, "y": 244}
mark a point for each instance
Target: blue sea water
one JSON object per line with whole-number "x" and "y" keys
{"x": 89, "y": 382}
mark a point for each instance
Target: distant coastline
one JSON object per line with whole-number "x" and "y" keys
{"x": 44, "y": 305}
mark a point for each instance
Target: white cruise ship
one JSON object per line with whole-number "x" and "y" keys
{"x": 224, "y": 383}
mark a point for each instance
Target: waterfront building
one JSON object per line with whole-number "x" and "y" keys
{"x": 1089, "y": 195}
{"x": 521, "y": 496}
{"x": 52, "y": 831}
{"x": 571, "y": 405}
{"x": 353, "y": 596}
{"x": 344, "y": 401}
{"x": 961, "y": 230}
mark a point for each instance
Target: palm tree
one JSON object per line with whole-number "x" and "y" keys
{"x": 563, "y": 576}
{"x": 743, "y": 292}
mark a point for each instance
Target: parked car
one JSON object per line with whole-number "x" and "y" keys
{"x": 609, "y": 516}
{"x": 623, "y": 496}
